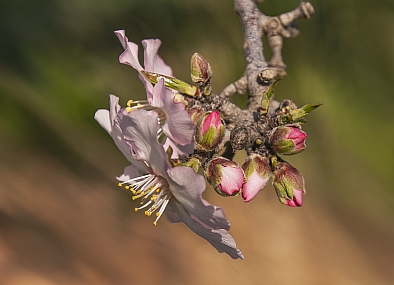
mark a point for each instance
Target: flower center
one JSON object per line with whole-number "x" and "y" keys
{"x": 153, "y": 191}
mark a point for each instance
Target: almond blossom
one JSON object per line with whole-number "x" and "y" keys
{"x": 175, "y": 118}
{"x": 166, "y": 189}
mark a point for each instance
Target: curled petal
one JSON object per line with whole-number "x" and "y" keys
{"x": 130, "y": 54}
{"x": 152, "y": 60}
{"x": 190, "y": 196}
{"x": 220, "y": 239}
{"x": 122, "y": 38}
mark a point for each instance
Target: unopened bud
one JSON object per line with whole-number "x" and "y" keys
{"x": 209, "y": 131}
{"x": 289, "y": 184}
{"x": 225, "y": 176}
{"x": 288, "y": 140}
{"x": 257, "y": 173}
{"x": 201, "y": 71}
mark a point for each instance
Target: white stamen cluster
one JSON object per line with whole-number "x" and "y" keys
{"x": 152, "y": 190}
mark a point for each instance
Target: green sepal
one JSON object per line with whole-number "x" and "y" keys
{"x": 171, "y": 82}
{"x": 194, "y": 163}
{"x": 297, "y": 115}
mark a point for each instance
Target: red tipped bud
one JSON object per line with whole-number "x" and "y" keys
{"x": 257, "y": 173}
{"x": 225, "y": 176}
{"x": 209, "y": 131}
{"x": 289, "y": 184}
{"x": 288, "y": 140}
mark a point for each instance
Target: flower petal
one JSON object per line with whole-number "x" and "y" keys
{"x": 297, "y": 199}
{"x": 178, "y": 150}
{"x": 129, "y": 172}
{"x": 114, "y": 107}
{"x": 102, "y": 117}
{"x": 254, "y": 184}
{"x": 178, "y": 125}
{"x": 130, "y": 55}
{"x": 152, "y": 61}
{"x": 232, "y": 179}
{"x": 122, "y": 38}
{"x": 220, "y": 239}
{"x": 187, "y": 187}
{"x": 139, "y": 129}
{"x": 171, "y": 216}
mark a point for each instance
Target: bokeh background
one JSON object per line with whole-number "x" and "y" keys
{"x": 64, "y": 220}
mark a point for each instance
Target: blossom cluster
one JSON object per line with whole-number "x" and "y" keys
{"x": 171, "y": 134}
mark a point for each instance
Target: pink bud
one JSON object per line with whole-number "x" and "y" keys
{"x": 209, "y": 131}
{"x": 289, "y": 184}
{"x": 288, "y": 140}
{"x": 225, "y": 176}
{"x": 257, "y": 172}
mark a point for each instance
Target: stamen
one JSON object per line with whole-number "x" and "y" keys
{"x": 153, "y": 191}
{"x": 158, "y": 214}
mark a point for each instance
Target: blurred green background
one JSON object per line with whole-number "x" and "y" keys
{"x": 63, "y": 219}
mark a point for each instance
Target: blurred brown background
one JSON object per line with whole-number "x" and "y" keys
{"x": 63, "y": 220}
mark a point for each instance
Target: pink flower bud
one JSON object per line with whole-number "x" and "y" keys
{"x": 225, "y": 176}
{"x": 257, "y": 172}
{"x": 289, "y": 184}
{"x": 209, "y": 131}
{"x": 288, "y": 140}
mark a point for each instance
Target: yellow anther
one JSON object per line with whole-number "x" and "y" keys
{"x": 128, "y": 109}
{"x": 139, "y": 105}
{"x": 139, "y": 191}
{"x": 135, "y": 209}
{"x": 129, "y": 103}
{"x": 127, "y": 187}
{"x": 155, "y": 223}
{"x": 157, "y": 214}
{"x": 133, "y": 191}
{"x": 119, "y": 184}
{"x": 134, "y": 197}
{"x": 158, "y": 190}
